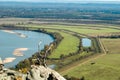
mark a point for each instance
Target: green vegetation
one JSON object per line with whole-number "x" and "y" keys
{"x": 68, "y": 45}
{"x": 105, "y": 68}
{"x": 73, "y": 13}
{"x": 84, "y": 29}
{"x": 112, "y": 45}
{"x": 68, "y": 23}
{"x": 69, "y": 51}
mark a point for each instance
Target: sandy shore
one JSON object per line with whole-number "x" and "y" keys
{"x": 19, "y": 34}
{"x": 8, "y": 60}
{"x": 9, "y": 31}
{"x": 19, "y": 51}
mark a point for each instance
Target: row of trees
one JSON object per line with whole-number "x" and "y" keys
{"x": 111, "y": 35}
{"x": 74, "y": 78}
{"x": 62, "y": 11}
{"x": 80, "y": 49}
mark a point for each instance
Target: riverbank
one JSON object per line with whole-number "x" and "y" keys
{"x": 17, "y": 33}
{"x": 18, "y": 52}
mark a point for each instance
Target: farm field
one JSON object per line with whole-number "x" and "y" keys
{"x": 84, "y": 39}
{"x": 112, "y": 45}
{"x": 67, "y": 45}
{"x": 84, "y": 29}
{"x": 105, "y": 68}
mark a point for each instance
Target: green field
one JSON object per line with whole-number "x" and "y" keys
{"x": 67, "y": 45}
{"x": 84, "y": 29}
{"x": 105, "y": 68}
{"x": 112, "y": 45}
{"x": 68, "y": 24}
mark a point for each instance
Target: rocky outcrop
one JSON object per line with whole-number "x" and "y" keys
{"x": 7, "y": 74}
{"x": 36, "y": 73}
{"x": 43, "y": 73}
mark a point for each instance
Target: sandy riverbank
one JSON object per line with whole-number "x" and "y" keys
{"x": 19, "y": 34}
{"x": 9, "y": 31}
{"x": 19, "y": 51}
{"x": 8, "y": 60}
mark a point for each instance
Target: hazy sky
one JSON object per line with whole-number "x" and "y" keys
{"x": 60, "y": 0}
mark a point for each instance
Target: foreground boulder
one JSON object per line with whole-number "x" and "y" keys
{"x": 36, "y": 73}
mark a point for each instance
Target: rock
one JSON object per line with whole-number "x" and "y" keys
{"x": 43, "y": 73}
{"x": 36, "y": 73}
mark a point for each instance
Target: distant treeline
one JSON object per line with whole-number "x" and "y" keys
{"x": 61, "y": 11}
{"x": 111, "y": 35}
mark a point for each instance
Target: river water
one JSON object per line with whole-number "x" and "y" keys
{"x": 19, "y": 44}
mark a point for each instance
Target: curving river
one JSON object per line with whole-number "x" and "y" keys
{"x": 17, "y": 45}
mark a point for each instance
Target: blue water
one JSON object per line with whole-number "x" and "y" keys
{"x": 9, "y": 42}
{"x": 86, "y": 42}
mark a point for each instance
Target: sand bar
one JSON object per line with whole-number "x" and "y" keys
{"x": 9, "y": 31}
{"x": 8, "y": 60}
{"x": 19, "y": 51}
{"x": 17, "y": 33}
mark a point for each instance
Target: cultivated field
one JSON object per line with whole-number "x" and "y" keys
{"x": 84, "y": 29}
{"x": 68, "y": 45}
{"x": 105, "y": 68}
{"x": 112, "y": 45}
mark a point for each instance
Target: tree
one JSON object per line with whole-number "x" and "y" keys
{"x": 61, "y": 56}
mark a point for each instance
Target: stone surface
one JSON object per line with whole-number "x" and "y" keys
{"x": 36, "y": 73}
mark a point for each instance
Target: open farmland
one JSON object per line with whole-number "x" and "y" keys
{"x": 84, "y": 29}
{"x": 105, "y": 68}
{"x": 85, "y": 38}
{"x": 68, "y": 45}
{"x": 112, "y": 45}
{"x": 80, "y": 64}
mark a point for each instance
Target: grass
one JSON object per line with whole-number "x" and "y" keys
{"x": 105, "y": 68}
{"x": 74, "y": 57}
{"x": 68, "y": 45}
{"x": 87, "y": 31}
{"x": 113, "y": 45}
{"x": 84, "y": 29}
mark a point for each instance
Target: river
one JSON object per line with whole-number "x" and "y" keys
{"x": 17, "y": 45}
